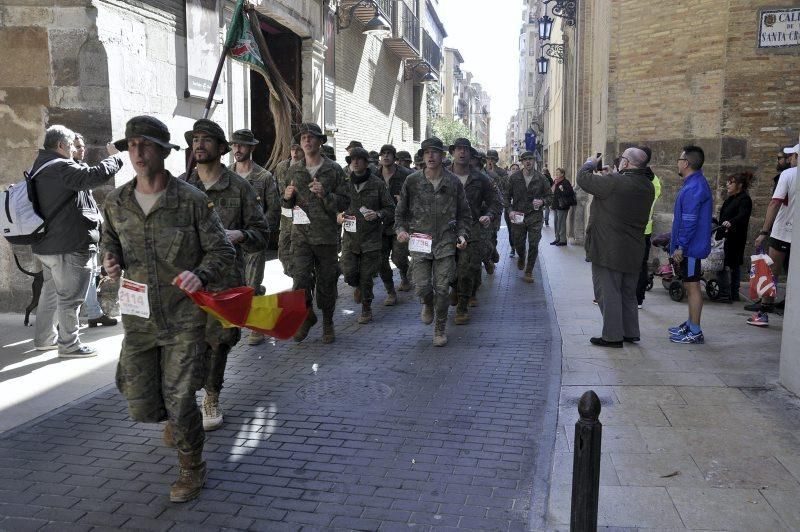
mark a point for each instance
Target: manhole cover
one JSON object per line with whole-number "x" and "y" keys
{"x": 345, "y": 392}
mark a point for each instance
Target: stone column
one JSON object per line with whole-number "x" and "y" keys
{"x": 313, "y": 59}
{"x": 790, "y": 355}
{"x": 578, "y": 217}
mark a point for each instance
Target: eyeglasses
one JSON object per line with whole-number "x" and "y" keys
{"x": 682, "y": 159}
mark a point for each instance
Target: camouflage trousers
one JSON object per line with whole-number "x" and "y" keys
{"x": 529, "y": 231}
{"x": 285, "y": 245}
{"x": 159, "y": 378}
{"x": 432, "y": 279}
{"x": 254, "y": 264}
{"x": 468, "y": 268}
{"x": 360, "y": 269}
{"x": 399, "y": 255}
{"x": 219, "y": 342}
{"x": 509, "y": 227}
{"x": 315, "y": 269}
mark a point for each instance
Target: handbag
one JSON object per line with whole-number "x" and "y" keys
{"x": 762, "y": 282}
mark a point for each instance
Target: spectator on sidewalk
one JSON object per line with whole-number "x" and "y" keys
{"x": 778, "y": 227}
{"x": 546, "y": 206}
{"x": 563, "y": 199}
{"x": 644, "y": 274}
{"x": 734, "y": 217}
{"x": 619, "y": 214}
{"x": 91, "y": 306}
{"x": 691, "y": 239}
{"x": 68, "y": 247}
{"x": 781, "y": 165}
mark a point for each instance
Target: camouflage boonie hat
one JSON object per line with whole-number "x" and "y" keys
{"x": 205, "y": 125}
{"x": 354, "y": 144}
{"x": 244, "y": 136}
{"x": 312, "y": 128}
{"x": 526, "y": 155}
{"x": 478, "y": 154}
{"x": 388, "y": 148}
{"x": 329, "y": 152}
{"x": 433, "y": 143}
{"x": 404, "y": 156}
{"x": 461, "y": 142}
{"x": 492, "y": 154}
{"x": 418, "y": 159}
{"x": 357, "y": 153}
{"x": 146, "y": 127}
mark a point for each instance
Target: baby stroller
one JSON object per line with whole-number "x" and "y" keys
{"x": 671, "y": 275}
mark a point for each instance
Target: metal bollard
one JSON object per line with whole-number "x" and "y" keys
{"x": 586, "y": 465}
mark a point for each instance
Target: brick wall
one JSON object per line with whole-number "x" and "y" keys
{"x": 373, "y": 103}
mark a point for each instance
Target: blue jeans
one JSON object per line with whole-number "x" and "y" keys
{"x": 66, "y": 279}
{"x": 91, "y": 306}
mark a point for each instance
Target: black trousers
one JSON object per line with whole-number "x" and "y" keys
{"x": 644, "y": 274}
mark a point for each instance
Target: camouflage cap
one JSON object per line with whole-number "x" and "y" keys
{"x": 357, "y": 153}
{"x": 492, "y": 154}
{"x": 313, "y": 129}
{"x": 146, "y": 127}
{"x": 433, "y": 143}
{"x": 526, "y": 155}
{"x": 204, "y": 125}
{"x": 404, "y": 156}
{"x": 244, "y": 136}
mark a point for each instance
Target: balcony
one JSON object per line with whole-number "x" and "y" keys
{"x": 364, "y": 13}
{"x": 404, "y": 41}
{"x": 431, "y": 52}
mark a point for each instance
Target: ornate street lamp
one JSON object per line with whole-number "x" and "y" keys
{"x": 545, "y": 27}
{"x": 565, "y": 9}
{"x": 376, "y": 26}
{"x": 541, "y": 65}
{"x": 555, "y": 50}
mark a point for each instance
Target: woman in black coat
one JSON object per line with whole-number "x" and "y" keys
{"x": 734, "y": 217}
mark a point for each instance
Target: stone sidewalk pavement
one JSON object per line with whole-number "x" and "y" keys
{"x": 694, "y": 437}
{"x": 378, "y": 431}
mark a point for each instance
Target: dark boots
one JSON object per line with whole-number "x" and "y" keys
{"x": 191, "y": 477}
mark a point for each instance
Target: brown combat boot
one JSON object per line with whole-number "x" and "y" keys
{"x": 473, "y": 301}
{"x": 302, "y": 332}
{"x": 405, "y": 286}
{"x": 462, "y": 314}
{"x": 357, "y": 295}
{"x": 366, "y": 313}
{"x": 391, "y": 298}
{"x": 453, "y": 297}
{"x": 521, "y": 262}
{"x": 528, "y": 277}
{"x": 439, "y": 336}
{"x": 328, "y": 334}
{"x": 489, "y": 267}
{"x": 191, "y": 477}
{"x": 427, "y": 310}
{"x": 169, "y": 437}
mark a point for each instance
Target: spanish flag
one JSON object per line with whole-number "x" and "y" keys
{"x": 276, "y": 315}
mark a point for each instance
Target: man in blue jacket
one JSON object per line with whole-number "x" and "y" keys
{"x": 691, "y": 239}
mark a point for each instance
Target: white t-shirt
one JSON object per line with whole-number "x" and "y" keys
{"x": 147, "y": 201}
{"x": 785, "y": 191}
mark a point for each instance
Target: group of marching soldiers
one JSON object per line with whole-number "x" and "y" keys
{"x": 437, "y": 223}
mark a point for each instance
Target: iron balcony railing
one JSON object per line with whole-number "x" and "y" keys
{"x": 431, "y": 51}
{"x": 387, "y": 9}
{"x": 406, "y": 25}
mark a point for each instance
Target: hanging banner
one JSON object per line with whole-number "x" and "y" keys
{"x": 202, "y": 46}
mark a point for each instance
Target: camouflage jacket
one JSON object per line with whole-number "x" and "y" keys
{"x": 482, "y": 199}
{"x": 281, "y": 171}
{"x": 322, "y": 212}
{"x": 265, "y": 185}
{"x": 374, "y": 196}
{"x": 520, "y": 197}
{"x": 442, "y": 213}
{"x": 237, "y": 205}
{"x": 501, "y": 178}
{"x": 395, "y": 185}
{"x": 181, "y": 232}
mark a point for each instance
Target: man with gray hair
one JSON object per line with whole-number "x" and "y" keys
{"x": 63, "y": 190}
{"x": 619, "y": 213}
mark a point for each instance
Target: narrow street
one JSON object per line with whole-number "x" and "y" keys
{"x": 380, "y": 430}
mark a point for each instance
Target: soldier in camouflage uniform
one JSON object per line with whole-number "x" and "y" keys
{"x": 240, "y": 211}
{"x": 484, "y": 208}
{"x": 500, "y": 177}
{"x": 528, "y": 190}
{"x": 263, "y": 182}
{"x": 371, "y": 210}
{"x": 404, "y": 159}
{"x": 328, "y": 152}
{"x": 393, "y": 176}
{"x": 316, "y": 193}
{"x": 164, "y": 234}
{"x": 285, "y": 236}
{"x": 433, "y": 213}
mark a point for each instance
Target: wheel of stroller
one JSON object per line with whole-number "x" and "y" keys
{"x": 712, "y": 289}
{"x": 649, "y": 285}
{"x": 676, "y": 291}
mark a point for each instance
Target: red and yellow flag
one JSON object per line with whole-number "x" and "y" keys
{"x": 276, "y": 315}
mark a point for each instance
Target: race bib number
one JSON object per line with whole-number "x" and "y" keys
{"x": 420, "y": 243}
{"x": 299, "y": 217}
{"x": 286, "y": 212}
{"x": 133, "y": 299}
{"x": 516, "y": 217}
{"x": 350, "y": 224}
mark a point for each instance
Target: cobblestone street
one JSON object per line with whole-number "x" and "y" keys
{"x": 380, "y": 430}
